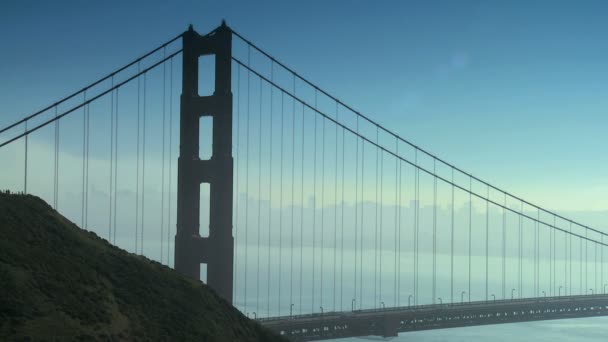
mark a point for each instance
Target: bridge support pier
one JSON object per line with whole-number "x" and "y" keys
{"x": 217, "y": 249}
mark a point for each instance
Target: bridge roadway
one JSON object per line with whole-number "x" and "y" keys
{"x": 391, "y": 321}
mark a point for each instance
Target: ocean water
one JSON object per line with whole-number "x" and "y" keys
{"x": 593, "y": 329}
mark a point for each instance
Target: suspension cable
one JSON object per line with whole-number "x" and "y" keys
{"x": 87, "y": 102}
{"x": 420, "y": 168}
{"x": 366, "y": 118}
{"x": 112, "y": 74}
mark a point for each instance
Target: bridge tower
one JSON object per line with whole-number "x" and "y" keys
{"x": 217, "y": 249}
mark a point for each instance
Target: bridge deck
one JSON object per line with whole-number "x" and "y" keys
{"x": 391, "y": 321}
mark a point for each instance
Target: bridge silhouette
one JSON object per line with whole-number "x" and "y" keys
{"x": 301, "y": 211}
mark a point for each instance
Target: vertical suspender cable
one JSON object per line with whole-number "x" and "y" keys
{"x": 586, "y": 262}
{"x": 259, "y": 225}
{"x": 162, "y": 181}
{"x": 520, "y": 251}
{"x": 487, "y": 240}
{"x": 236, "y": 180}
{"x": 380, "y": 224}
{"x": 416, "y": 219}
{"x": 335, "y": 209}
{"x": 504, "y": 246}
{"x": 395, "y": 237}
{"x": 302, "y": 215}
{"x": 376, "y": 229}
{"x": 56, "y": 168}
{"x": 342, "y": 226}
{"x": 534, "y": 292}
{"x": 314, "y": 209}
{"x": 452, "y": 242}
{"x": 270, "y": 146}
{"x": 111, "y": 162}
{"x": 86, "y": 198}
{"x": 400, "y": 184}
{"x": 169, "y": 223}
{"x": 595, "y": 273}
{"x": 116, "y": 164}
{"x": 322, "y": 207}
{"x": 293, "y": 173}
{"x": 143, "y": 167}
{"x": 84, "y": 137}
{"x": 25, "y": 162}
{"x": 361, "y": 225}
{"x": 580, "y": 264}
{"x": 434, "y": 230}
{"x": 282, "y": 143}
{"x": 247, "y": 182}
{"x": 570, "y": 261}
{"x": 470, "y": 231}
{"x": 356, "y": 206}
{"x": 137, "y": 167}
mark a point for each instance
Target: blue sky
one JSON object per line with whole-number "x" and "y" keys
{"x": 510, "y": 91}
{"x": 513, "y": 92}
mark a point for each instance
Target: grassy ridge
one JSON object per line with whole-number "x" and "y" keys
{"x": 59, "y": 282}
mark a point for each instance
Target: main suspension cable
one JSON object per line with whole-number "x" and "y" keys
{"x": 112, "y": 74}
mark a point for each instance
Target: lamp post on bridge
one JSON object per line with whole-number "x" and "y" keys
{"x": 592, "y": 293}
{"x": 462, "y": 297}
{"x": 291, "y": 310}
{"x": 512, "y": 291}
{"x": 544, "y": 294}
{"x": 352, "y": 305}
{"x": 382, "y": 305}
{"x": 322, "y": 324}
{"x": 494, "y": 298}
{"x": 440, "y": 301}
{"x": 559, "y": 291}
{"x": 409, "y": 298}
{"x": 255, "y": 315}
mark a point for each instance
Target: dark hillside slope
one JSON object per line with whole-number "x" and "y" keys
{"x": 59, "y": 282}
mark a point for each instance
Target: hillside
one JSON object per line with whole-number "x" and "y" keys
{"x": 59, "y": 282}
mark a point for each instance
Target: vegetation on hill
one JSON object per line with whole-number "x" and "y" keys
{"x": 59, "y": 282}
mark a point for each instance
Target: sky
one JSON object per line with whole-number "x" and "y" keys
{"x": 512, "y": 92}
